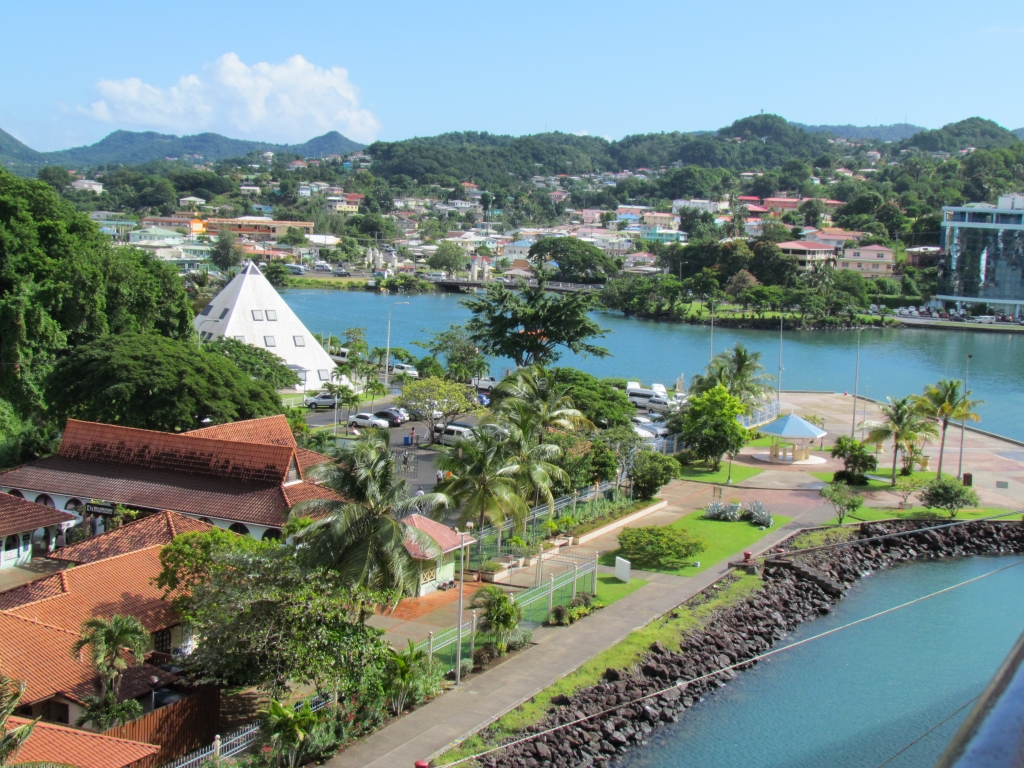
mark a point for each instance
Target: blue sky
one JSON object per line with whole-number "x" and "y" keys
{"x": 391, "y": 70}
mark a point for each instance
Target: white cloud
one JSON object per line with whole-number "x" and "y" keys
{"x": 289, "y": 102}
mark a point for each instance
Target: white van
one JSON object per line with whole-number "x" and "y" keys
{"x": 640, "y": 397}
{"x": 631, "y": 385}
{"x": 985, "y": 319}
{"x": 660, "y": 389}
{"x": 408, "y": 370}
{"x": 450, "y": 434}
{"x": 435, "y": 276}
{"x": 659, "y": 404}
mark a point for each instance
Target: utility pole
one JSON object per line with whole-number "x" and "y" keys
{"x": 856, "y": 386}
{"x": 967, "y": 379}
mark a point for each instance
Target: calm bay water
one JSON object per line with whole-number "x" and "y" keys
{"x": 855, "y": 698}
{"x": 893, "y": 362}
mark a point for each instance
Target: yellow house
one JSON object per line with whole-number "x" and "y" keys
{"x": 871, "y": 261}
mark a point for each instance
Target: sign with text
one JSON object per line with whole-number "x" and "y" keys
{"x": 98, "y": 508}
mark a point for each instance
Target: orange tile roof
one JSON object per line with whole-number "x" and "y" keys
{"x": 447, "y": 539}
{"x": 40, "y": 655}
{"x": 82, "y": 749}
{"x": 270, "y": 430}
{"x": 121, "y": 584}
{"x": 19, "y": 516}
{"x": 149, "y": 449}
{"x": 149, "y": 531}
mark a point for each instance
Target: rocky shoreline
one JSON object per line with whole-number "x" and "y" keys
{"x": 750, "y": 627}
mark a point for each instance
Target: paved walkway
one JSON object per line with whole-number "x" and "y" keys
{"x": 461, "y": 712}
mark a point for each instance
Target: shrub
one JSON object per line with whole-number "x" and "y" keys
{"x": 716, "y": 510}
{"x": 950, "y": 494}
{"x": 756, "y": 513}
{"x": 484, "y": 655}
{"x": 582, "y": 598}
{"x": 500, "y": 617}
{"x": 849, "y": 478}
{"x": 655, "y": 547}
{"x": 520, "y": 639}
{"x": 559, "y": 615}
{"x": 492, "y": 567}
{"x": 650, "y": 471}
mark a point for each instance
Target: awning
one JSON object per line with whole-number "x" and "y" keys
{"x": 792, "y": 427}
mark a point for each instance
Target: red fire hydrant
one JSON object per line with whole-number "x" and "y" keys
{"x": 747, "y": 556}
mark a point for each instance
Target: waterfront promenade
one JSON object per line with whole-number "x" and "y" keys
{"x": 787, "y": 490}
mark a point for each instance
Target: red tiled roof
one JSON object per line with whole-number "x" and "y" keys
{"x": 149, "y": 531}
{"x": 149, "y": 449}
{"x": 798, "y": 245}
{"x": 447, "y": 539}
{"x": 19, "y": 516}
{"x": 117, "y": 585}
{"x": 53, "y": 743}
{"x": 270, "y": 430}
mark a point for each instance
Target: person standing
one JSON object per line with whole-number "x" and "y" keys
{"x": 412, "y": 436}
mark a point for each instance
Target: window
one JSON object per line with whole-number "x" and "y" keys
{"x": 427, "y": 575}
{"x": 257, "y": 314}
{"x": 72, "y": 505}
{"x": 223, "y": 313}
{"x": 856, "y": 254}
{"x": 45, "y": 500}
{"x": 299, "y": 341}
{"x": 271, "y": 315}
{"x": 325, "y": 375}
{"x": 162, "y": 641}
{"x": 269, "y": 341}
{"x": 302, "y": 375}
{"x": 239, "y": 529}
{"x": 15, "y": 493}
{"x": 207, "y": 309}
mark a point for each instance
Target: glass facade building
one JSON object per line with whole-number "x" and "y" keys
{"x": 984, "y": 253}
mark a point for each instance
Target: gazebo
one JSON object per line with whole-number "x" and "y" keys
{"x": 792, "y": 441}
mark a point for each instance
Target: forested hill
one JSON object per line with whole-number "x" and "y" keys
{"x": 895, "y": 132}
{"x": 131, "y": 148}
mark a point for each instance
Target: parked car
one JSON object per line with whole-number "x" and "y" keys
{"x": 296, "y": 269}
{"x": 399, "y": 413}
{"x": 659, "y": 404}
{"x": 421, "y": 415}
{"x": 321, "y": 400}
{"x": 485, "y": 382}
{"x": 366, "y": 420}
{"x": 659, "y": 430}
{"x": 393, "y": 419}
{"x": 448, "y": 435}
{"x": 944, "y": 315}
{"x": 341, "y": 273}
{"x": 408, "y": 370}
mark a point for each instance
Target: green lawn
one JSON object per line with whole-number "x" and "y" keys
{"x": 610, "y": 589}
{"x": 762, "y": 442}
{"x": 865, "y": 514}
{"x": 723, "y": 540}
{"x": 700, "y": 474}
{"x": 873, "y": 485}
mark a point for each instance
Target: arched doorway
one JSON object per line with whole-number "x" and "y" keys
{"x": 11, "y": 547}
{"x": 239, "y": 528}
{"x": 45, "y": 500}
{"x": 15, "y": 493}
{"x": 272, "y": 533}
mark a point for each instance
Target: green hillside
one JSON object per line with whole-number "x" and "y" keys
{"x": 132, "y": 148}
{"x": 894, "y": 132}
{"x": 973, "y": 132}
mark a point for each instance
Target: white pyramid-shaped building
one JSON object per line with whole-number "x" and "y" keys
{"x": 251, "y": 310}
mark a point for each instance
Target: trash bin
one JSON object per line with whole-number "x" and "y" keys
{"x": 405, "y": 440}
{"x": 968, "y": 479}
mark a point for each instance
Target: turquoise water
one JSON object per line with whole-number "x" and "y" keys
{"x": 893, "y": 362}
{"x": 855, "y": 698}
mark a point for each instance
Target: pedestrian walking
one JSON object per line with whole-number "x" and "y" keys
{"x": 440, "y": 476}
{"x": 419, "y": 491}
{"x": 412, "y": 436}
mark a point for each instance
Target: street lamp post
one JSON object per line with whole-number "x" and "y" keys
{"x": 856, "y": 387}
{"x": 712, "y": 356}
{"x": 967, "y": 381}
{"x": 462, "y": 590}
{"x": 778, "y": 397}
{"x": 387, "y": 350}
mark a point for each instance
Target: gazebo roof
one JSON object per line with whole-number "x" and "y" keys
{"x": 792, "y": 427}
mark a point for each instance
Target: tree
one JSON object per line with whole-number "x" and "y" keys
{"x": 709, "y": 426}
{"x": 151, "y": 382}
{"x": 740, "y": 372}
{"x": 650, "y": 471}
{"x": 449, "y": 257}
{"x": 529, "y": 325}
{"x": 106, "y": 640}
{"x": 277, "y": 273}
{"x": 294, "y": 236}
{"x": 483, "y": 482}
{"x": 843, "y": 500}
{"x": 949, "y": 494}
{"x": 227, "y": 253}
{"x": 739, "y": 283}
{"x": 56, "y": 176}
{"x": 534, "y": 459}
{"x": 437, "y": 402}
{"x": 946, "y": 401}
{"x": 545, "y": 398}
{"x": 363, "y": 537}
{"x": 904, "y": 424}
{"x": 189, "y": 560}
{"x": 907, "y": 486}
{"x": 598, "y": 400}
{"x": 656, "y": 547}
{"x": 461, "y": 355}
{"x": 771, "y": 266}
{"x": 287, "y": 729}
{"x": 774, "y": 232}
{"x": 261, "y": 364}
{"x": 500, "y": 615}
{"x": 575, "y": 261}
{"x": 812, "y": 211}
{"x": 857, "y": 460}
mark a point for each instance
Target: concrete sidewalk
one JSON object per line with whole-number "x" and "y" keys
{"x": 461, "y": 712}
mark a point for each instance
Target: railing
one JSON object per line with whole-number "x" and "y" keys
{"x": 236, "y": 742}
{"x": 761, "y": 416}
{"x": 542, "y": 510}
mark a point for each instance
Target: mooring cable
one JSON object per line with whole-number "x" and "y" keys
{"x": 684, "y": 683}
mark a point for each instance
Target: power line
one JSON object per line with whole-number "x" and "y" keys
{"x": 684, "y": 683}
{"x": 930, "y": 730}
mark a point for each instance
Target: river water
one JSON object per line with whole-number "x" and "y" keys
{"x": 855, "y": 698}
{"x": 893, "y": 363}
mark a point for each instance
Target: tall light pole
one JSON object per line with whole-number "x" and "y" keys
{"x": 778, "y": 398}
{"x": 967, "y": 380}
{"x": 712, "y": 356}
{"x": 462, "y": 589}
{"x": 387, "y": 350}
{"x": 856, "y": 386}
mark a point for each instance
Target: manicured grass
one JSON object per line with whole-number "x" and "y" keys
{"x": 611, "y": 590}
{"x": 873, "y": 485}
{"x": 865, "y": 514}
{"x": 698, "y": 473}
{"x": 722, "y": 539}
{"x": 667, "y": 630}
{"x": 762, "y": 442}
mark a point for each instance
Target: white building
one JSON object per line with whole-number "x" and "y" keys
{"x": 708, "y": 206}
{"x": 88, "y": 185}
{"x": 251, "y": 310}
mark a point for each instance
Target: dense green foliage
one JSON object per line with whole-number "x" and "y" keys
{"x": 152, "y": 382}
{"x": 950, "y": 494}
{"x": 261, "y": 364}
{"x": 597, "y": 399}
{"x": 709, "y": 427}
{"x": 657, "y": 547}
{"x": 650, "y": 471}
{"x": 572, "y": 260}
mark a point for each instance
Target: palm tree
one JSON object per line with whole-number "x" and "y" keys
{"x": 107, "y": 639}
{"x": 535, "y": 471}
{"x": 904, "y": 424}
{"x": 374, "y": 389}
{"x": 483, "y": 480}
{"x": 501, "y": 615}
{"x": 12, "y": 738}
{"x": 348, "y": 398}
{"x": 552, "y": 405}
{"x": 403, "y": 673}
{"x": 288, "y": 728}
{"x": 363, "y": 537}
{"x": 740, "y": 372}
{"x": 946, "y": 401}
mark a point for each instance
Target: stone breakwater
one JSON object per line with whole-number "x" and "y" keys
{"x": 739, "y": 632}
